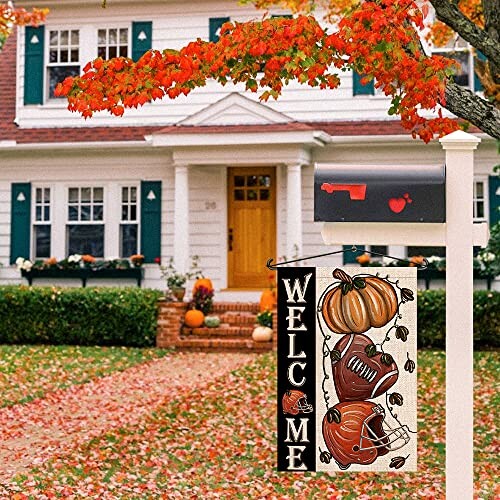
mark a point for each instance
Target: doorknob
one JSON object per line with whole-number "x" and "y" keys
{"x": 230, "y": 239}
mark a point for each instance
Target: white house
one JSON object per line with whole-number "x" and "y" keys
{"x": 215, "y": 174}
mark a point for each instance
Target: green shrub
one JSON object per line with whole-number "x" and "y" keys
{"x": 78, "y": 316}
{"x": 432, "y": 318}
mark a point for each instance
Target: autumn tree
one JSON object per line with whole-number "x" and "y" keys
{"x": 380, "y": 39}
{"x": 11, "y": 16}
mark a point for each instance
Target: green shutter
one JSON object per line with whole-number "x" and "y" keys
{"x": 151, "y": 220}
{"x": 33, "y": 65}
{"x": 142, "y": 34}
{"x": 494, "y": 198}
{"x": 358, "y": 88}
{"x": 350, "y": 257}
{"x": 214, "y": 25}
{"x": 20, "y": 221}
{"x": 477, "y": 83}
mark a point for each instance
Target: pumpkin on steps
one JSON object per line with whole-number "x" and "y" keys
{"x": 359, "y": 303}
{"x": 262, "y": 334}
{"x": 203, "y": 282}
{"x": 267, "y": 300}
{"x": 212, "y": 321}
{"x": 194, "y": 318}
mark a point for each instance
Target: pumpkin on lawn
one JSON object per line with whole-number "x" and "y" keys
{"x": 194, "y": 318}
{"x": 203, "y": 282}
{"x": 357, "y": 304}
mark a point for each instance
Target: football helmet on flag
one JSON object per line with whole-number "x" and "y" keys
{"x": 356, "y": 433}
{"x": 295, "y": 402}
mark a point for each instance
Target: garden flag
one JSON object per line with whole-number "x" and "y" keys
{"x": 347, "y": 391}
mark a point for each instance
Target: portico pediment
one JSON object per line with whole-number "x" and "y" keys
{"x": 235, "y": 109}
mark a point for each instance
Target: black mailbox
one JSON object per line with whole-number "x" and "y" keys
{"x": 379, "y": 193}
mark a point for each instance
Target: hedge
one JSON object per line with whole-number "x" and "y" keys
{"x": 127, "y": 316}
{"x": 78, "y": 316}
{"x": 432, "y": 318}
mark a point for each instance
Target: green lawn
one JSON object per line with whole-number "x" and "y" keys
{"x": 28, "y": 372}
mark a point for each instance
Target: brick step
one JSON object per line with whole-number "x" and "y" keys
{"x": 223, "y": 307}
{"x": 238, "y": 318}
{"x": 240, "y": 345}
{"x": 223, "y": 330}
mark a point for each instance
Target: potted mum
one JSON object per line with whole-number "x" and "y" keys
{"x": 176, "y": 281}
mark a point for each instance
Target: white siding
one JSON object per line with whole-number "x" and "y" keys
{"x": 174, "y": 27}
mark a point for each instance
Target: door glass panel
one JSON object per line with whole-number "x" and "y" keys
{"x": 264, "y": 194}
{"x": 252, "y": 194}
{"x": 252, "y": 180}
{"x": 265, "y": 180}
{"x": 239, "y": 195}
{"x": 239, "y": 180}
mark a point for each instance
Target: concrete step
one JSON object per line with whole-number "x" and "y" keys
{"x": 240, "y": 345}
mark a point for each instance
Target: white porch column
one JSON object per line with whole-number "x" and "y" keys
{"x": 459, "y": 148}
{"x": 181, "y": 218}
{"x": 294, "y": 211}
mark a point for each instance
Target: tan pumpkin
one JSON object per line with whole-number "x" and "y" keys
{"x": 194, "y": 318}
{"x": 358, "y": 304}
{"x": 267, "y": 300}
{"x": 203, "y": 282}
{"x": 262, "y": 334}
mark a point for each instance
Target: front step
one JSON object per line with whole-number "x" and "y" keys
{"x": 238, "y": 318}
{"x": 224, "y": 330}
{"x": 226, "y": 345}
{"x": 223, "y": 307}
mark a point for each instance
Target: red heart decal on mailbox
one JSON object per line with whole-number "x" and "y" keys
{"x": 397, "y": 204}
{"x": 359, "y": 375}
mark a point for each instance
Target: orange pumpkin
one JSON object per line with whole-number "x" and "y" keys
{"x": 358, "y": 304}
{"x": 267, "y": 300}
{"x": 203, "y": 282}
{"x": 194, "y": 318}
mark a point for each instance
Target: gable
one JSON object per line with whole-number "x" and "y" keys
{"x": 235, "y": 109}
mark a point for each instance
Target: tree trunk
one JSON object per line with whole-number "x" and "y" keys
{"x": 465, "y": 104}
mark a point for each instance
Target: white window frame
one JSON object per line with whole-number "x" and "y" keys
{"x": 137, "y": 220}
{"x": 42, "y": 222}
{"x": 81, "y": 185}
{"x": 117, "y": 27}
{"x": 48, "y": 64}
{"x": 485, "y": 199}
{"x": 59, "y": 220}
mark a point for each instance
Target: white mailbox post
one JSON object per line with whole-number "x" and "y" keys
{"x": 458, "y": 234}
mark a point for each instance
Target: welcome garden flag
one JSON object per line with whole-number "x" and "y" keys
{"x": 347, "y": 393}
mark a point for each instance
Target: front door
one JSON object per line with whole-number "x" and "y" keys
{"x": 251, "y": 225}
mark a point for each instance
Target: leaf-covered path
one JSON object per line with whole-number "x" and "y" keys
{"x": 33, "y": 432}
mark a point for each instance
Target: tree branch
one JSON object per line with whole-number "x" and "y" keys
{"x": 465, "y": 104}
{"x": 449, "y": 14}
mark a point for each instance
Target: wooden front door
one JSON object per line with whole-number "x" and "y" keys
{"x": 251, "y": 225}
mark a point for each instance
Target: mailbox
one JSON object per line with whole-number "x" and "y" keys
{"x": 379, "y": 193}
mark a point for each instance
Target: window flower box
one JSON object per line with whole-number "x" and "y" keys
{"x": 84, "y": 274}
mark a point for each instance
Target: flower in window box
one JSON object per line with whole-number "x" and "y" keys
{"x": 24, "y": 264}
{"x": 50, "y": 262}
{"x": 416, "y": 260}
{"x": 363, "y": 259}
{"x": 88, "y": 260}
{"x": 73, "y": 261}
{"x": 137, "y": 259}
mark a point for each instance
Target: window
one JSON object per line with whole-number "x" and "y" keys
{"x": 129, "y": 222}
{"x": 85, "y": 226}
{"x": 112, "y": 42}
{"x": 460, "y": 51}
{"x": 479, "y": 200}
{"x": 64, "y": 57}
{"x": 42, "y": 225}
